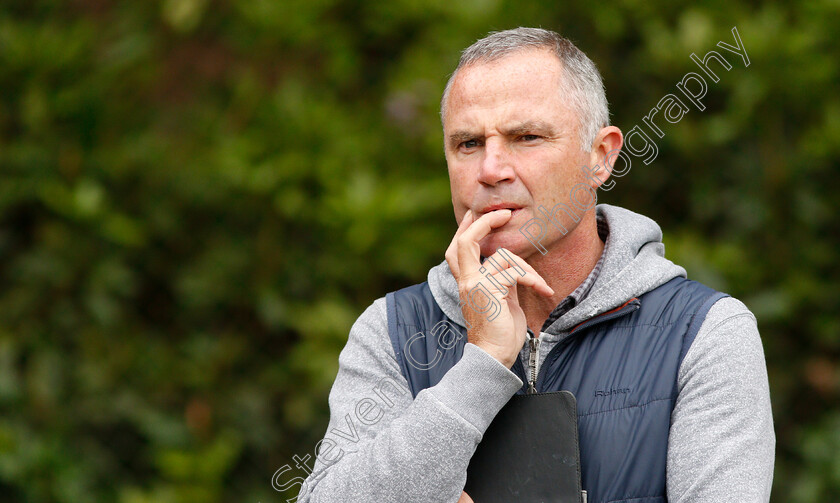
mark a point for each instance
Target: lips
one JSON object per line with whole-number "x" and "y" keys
{"x": 501, "y": 206}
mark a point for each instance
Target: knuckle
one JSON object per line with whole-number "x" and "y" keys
{"x": 467, "y": 284}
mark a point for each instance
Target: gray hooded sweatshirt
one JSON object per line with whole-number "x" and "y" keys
{"x": 383, "y": 446}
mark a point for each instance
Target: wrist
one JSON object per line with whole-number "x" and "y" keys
{"x": 500, "y": 354}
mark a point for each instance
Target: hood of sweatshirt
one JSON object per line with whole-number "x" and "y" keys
{"x": 634, "y": 264}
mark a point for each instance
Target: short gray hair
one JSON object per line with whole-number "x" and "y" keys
{"x": 581, "y": 80}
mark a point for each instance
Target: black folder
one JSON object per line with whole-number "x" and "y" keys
{"x": 529, "y": 454}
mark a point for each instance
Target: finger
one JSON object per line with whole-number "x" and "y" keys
{"x": 452, "y": 251}
{"x": 468, "y": 251}
{"x": 513, "y": 294}
{"x": 513, "y": 267}
{"x": 529, "y": 279}
{"x": 469, "y": 217}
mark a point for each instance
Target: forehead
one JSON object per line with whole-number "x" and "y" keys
{"x": 521, "y": 86}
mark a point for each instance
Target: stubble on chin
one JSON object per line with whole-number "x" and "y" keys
{"x": 511, "y": 240}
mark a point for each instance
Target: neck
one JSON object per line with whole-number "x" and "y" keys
{"x": 564, "y": 267}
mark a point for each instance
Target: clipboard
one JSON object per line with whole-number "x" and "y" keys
{"x": 529, "y": 453}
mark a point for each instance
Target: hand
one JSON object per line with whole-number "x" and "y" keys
{"x": 465, "y": 498}
{"x": 495, "y": 321}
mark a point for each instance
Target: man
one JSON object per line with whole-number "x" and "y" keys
{"x": 673, "y": 399}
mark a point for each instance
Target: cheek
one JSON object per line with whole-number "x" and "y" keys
{"x": 553, "y": 181}
{"x": 460, "y": 181}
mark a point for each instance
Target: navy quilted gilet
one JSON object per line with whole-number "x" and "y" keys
{"x": 621, "y": 366}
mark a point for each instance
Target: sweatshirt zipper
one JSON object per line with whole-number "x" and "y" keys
{"x": 534, "y": 346}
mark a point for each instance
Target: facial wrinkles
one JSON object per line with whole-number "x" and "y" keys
{"x": 495, "y": 83}
{"x": 485, "y": 101}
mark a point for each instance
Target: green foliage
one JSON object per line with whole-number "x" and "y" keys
{"x": 197, "y": 198}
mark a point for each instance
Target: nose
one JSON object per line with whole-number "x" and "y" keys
{"x": 497, "y": 164}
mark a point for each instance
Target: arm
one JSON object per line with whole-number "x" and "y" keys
{"x": 721, "y": 443}
{"x": 419, "y": 450}
{"x": 402, "y": 449}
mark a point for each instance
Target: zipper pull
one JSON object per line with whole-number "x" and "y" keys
{"x": 534, "y": 345}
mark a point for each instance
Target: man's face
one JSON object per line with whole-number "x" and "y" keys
{"x": 511, "y": 141}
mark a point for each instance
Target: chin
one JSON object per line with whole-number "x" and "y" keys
{"x": 513, "y": 241}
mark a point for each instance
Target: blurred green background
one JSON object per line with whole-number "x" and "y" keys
{"x": 198, "y": 198}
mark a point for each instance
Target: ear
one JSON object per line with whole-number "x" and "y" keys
{"x": 609, "y": 139}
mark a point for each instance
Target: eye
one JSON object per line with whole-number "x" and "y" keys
{"x": 529, "y": 137}
{"x": 468, "y": 146}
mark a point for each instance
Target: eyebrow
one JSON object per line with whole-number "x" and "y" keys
{"x": 526, "y": 127}
{"x": 457, "y": 137}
